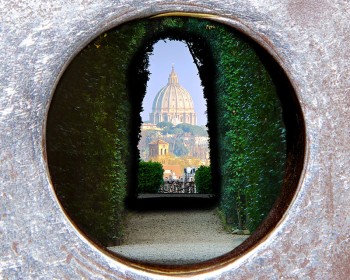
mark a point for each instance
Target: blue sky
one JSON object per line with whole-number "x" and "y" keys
{"x": 165, "y": 54}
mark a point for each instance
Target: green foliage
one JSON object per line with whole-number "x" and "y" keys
{"x": 203, "y": 180}
{"x": 165, "y": 125}
{"x": 180, "y": 149}
{"x": 176, "y": 131}
{"x": 87, "y": 136}
{"x": 251, "y": 131}
{"x": 193, "y": 129}
{"x": 150, "y": 177}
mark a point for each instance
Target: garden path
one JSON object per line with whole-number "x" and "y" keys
{"x": 176, "y": 237}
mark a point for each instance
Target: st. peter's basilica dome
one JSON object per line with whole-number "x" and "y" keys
{"x": 173, "y": 104}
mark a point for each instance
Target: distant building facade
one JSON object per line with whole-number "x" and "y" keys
{"x": 149, "y": 126}
{"x": 172, "y": 172}
{"x": 158, "y": 148}
{"x": 173, "y": 103}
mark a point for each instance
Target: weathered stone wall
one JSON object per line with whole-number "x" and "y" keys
{"x": 309, "y": 38}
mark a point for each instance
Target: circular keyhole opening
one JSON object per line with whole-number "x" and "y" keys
{"x": 240, "y": 181}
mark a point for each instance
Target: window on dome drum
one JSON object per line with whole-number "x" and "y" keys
{"x": 183, "y": 117}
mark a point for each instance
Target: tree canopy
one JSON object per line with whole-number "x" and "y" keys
{"x": 203, "y": 180}
{"x": 165, "y": 125}
{"x": 150, "y": 177}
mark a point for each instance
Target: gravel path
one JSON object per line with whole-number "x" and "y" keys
{"x": 181, "y": 237}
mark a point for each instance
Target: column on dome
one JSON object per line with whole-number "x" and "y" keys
{"x": 193, "y": 119}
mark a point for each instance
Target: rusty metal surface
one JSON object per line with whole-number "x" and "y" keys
{"x": 309, "y": 38}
